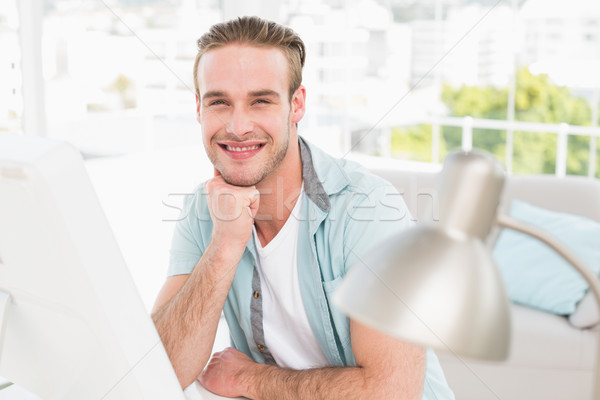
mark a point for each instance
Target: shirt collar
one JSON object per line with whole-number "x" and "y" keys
{"x": 322, "y": 174}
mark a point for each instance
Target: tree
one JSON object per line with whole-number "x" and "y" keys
{"x": 536, "y": 100}
{"x": 126, "y": 90}
{"x": 412, "y": 143}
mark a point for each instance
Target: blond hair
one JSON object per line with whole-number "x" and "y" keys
{"x": 257, "y": 32}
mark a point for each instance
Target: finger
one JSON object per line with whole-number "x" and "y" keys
{"x": 208, "y": 184}
{"x": 254, "y": 202}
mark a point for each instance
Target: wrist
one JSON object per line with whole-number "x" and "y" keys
{"x": 250, "y": 377}
{"x": 226, "y": 250}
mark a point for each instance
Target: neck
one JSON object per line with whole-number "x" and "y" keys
{"x": 278, "y": 195}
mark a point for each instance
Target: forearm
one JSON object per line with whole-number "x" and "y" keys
{"x": 396, "y": 371}
{"x": 187, "y": 323}
{"x": 270, "y": 382}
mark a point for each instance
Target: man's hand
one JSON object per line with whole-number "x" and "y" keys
{"x": 224, "y": 373}
{"x": 232, "y": 210}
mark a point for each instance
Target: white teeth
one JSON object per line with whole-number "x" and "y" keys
{"x": 242, "y": 148}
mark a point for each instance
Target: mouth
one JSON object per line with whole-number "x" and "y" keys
{"x": 241, "y": 150}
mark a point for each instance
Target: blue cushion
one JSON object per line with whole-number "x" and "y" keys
{"x": 534, "y": 274}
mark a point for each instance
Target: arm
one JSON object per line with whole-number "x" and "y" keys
{"x": 187, "y": 321}
{"x": 386, "y": 368}
{"x": 187, "y": 310}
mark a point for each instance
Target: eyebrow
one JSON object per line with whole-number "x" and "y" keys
{"x": 213, "y": 93}
{"x": 256, "y": 93}
{"x": 264, "y": 92}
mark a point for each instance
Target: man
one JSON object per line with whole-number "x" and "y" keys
{"x": 268, "y": 239}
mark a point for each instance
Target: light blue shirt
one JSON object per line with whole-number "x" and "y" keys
{"x": 345, "y": 212}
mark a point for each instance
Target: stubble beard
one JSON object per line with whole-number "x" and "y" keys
{"x": 248, "y": 177}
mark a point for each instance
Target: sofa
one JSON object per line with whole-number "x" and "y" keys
{"x": 550, "y": 358}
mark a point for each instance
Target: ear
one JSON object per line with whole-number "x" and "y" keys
{"x": 197, "y": 108}
{"x": 298, "y": 104}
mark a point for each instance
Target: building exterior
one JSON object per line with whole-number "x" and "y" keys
{"x": 563, "y": 41}
{"x": 469, "y": 47}
{"x": 364, "y": 70}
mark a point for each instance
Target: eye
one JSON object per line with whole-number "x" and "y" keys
{"x": 216, "y": 102}
{"x": 262, "y": 101}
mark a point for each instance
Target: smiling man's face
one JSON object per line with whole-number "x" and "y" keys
{"x": 246, "y": 115}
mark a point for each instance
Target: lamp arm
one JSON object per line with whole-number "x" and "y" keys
{"x": 505, "y": 221}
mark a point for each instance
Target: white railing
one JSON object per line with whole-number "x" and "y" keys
{"x": 561, "y": 130}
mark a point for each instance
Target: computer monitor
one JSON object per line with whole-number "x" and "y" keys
{"x": 72, "y": 325}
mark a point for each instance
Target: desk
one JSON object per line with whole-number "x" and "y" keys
{"x": 197, "y": 392}
{"x": 193, "y": 392}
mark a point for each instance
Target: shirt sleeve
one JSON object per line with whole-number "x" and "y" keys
{"x": 373, "y": 218}
{"x": 186, "y": 246}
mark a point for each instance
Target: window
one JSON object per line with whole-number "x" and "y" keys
{"x": 11, "y": 99}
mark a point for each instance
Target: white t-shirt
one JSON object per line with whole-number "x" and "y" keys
{"x": 288, "y": 334}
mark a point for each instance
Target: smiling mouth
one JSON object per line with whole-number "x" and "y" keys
{"x": 239, "y": 149}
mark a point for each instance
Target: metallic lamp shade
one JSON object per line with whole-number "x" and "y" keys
{"x": 436, "y": 285}
{"x": 430, "y": 288}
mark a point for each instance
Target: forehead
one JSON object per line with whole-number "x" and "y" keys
{"x": 240, "y": 67}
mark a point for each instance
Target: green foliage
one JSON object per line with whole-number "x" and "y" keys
{"x": 598, "y": 162}
{"x": 477, "y": 102}
{"x": 126, "y": 90}
{"x": 412, "y": 143}
{"x": 122, "y": 84}
{"x": 536, "y": 100}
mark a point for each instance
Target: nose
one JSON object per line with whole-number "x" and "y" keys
{"x": 240, "y": 122}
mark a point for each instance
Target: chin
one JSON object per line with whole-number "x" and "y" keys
{"x": 241, "y": 180}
